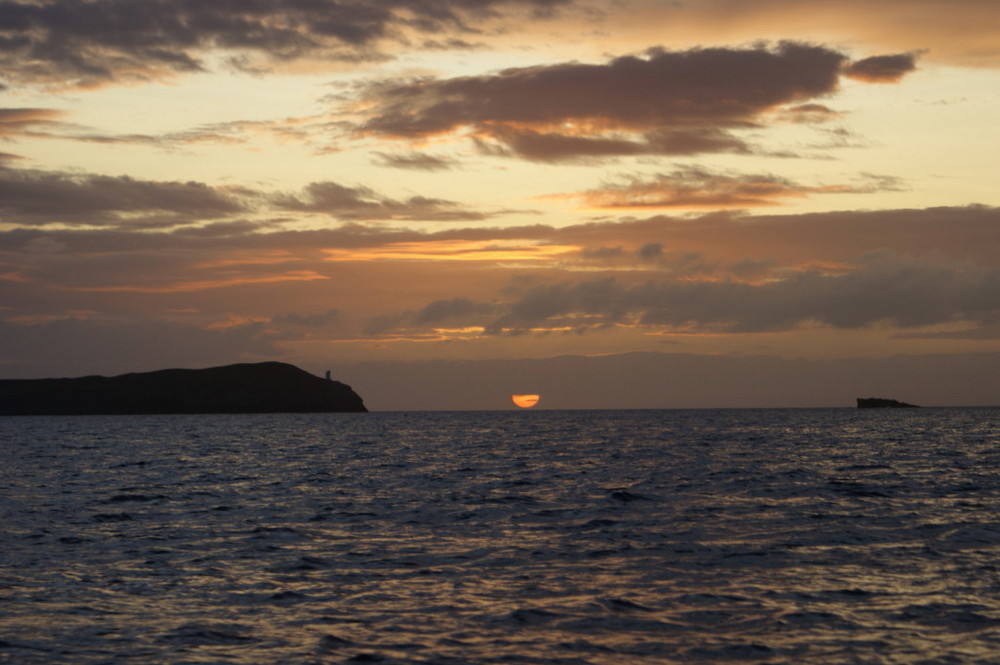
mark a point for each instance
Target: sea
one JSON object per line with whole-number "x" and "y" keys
{"x": 805, "y": 536}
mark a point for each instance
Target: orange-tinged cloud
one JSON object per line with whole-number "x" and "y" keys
{"x": 203, "y": 285}
{"x": 454, "y": 250}
{"x": 20, "y": 121}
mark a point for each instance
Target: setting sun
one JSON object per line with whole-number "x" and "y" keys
{"x": 525, "y": 401}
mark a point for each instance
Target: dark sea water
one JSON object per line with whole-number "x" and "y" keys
{"x": 570, "y": 537}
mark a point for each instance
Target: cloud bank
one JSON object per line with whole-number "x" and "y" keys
{"x": 120, "y": 41}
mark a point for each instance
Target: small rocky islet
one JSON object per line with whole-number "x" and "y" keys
{"x": 883, "y": 403}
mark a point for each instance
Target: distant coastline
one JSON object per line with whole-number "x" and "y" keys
{"x": 269, "y": 387}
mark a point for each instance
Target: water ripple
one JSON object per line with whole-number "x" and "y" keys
{"x": 757, "y": 536}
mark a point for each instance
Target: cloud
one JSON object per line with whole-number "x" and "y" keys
{"x": 86, "y": 44}
{"x": 662, "y": 103}
{"x": 650, "y": 251}
{"x": 38, "y": 198}
{"x": 41, "y": 198}
{"x": 440, "y": 311}
{"x": 882, "y": 68}
{"x": 985, "y": 332}
{"x": 664, "y": 89}
{"x": 20, "y": 121}
{"x": 556, "y": 147}
{"x": 316, "y": 320}
{"x": 417, "y": 161}
{"x": 836, "y": 237}
{"x": 811, "y": 113}
{"x": 906, "y": 293}
{"x": 695, "y": 187}
{"x": 362, "y": 203}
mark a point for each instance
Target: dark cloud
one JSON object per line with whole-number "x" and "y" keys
{"x": 882, "y": 68}
{"x": 666, "y": 102}
{"x": 362, "y": 203}
{"x": 650, "y": 251}
{"x": 417, "y": 161}
{"x": 695, "y": 188}
{"x": 204, "y": 242}
{"x": 235, "y": 229}
{"x": 40, "y": 198}
{"x": 556, "y": 147}
{"x": 237, "y": 132}
{"x": 902, "y": 292}
{"x": 62, "y": 41}
{"x": 695, "y": 141}
{"x": 809, "y": 113}
{"x": 31, "y": 198}
{"x": 662, "y": 89}
{"x": 603, "y": 254}
{"x": 385, "y": 323}
{"x": 987, "y": 332}
{"x": 440, "y": 311}
{"x": 453, "y": 44}
{"x": 698, "y": 188}
{"x": 316, "y": 320}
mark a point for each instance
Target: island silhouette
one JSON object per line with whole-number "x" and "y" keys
{"x": 268, "y": 387}
{"x": 882, "y": 403}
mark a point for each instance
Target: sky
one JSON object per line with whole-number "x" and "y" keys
{"x": 609, "y": 203}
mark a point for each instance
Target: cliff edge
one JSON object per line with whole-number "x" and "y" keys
{"x": 269, "y": 387}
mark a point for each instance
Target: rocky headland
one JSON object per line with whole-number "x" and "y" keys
{"x": 269, "y": 387}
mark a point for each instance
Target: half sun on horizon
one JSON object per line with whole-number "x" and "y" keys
{"x": 525, "y": 401}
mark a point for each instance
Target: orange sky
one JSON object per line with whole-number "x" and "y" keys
{"x": 359, "y": 186}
